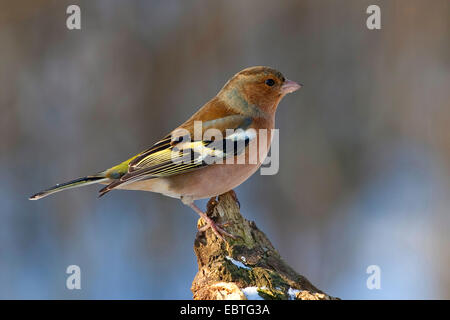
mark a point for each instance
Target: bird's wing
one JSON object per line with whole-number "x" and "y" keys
{"x": 176, "y": 153}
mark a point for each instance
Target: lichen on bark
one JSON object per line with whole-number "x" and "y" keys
{"x": 227, "y": 269}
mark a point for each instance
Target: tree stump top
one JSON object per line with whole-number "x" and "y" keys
{"x": 248, "y": 267}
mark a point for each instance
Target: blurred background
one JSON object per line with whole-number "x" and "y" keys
{"x": 364, "y": 146}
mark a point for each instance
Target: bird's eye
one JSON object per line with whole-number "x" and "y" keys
{"x": 270, "y": 82}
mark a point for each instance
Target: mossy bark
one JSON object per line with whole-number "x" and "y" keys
{"x": 227, "y": 268}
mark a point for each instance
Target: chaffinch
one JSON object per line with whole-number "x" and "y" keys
{"x": 222, "y": 130}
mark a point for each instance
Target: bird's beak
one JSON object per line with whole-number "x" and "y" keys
{"x": 290, "y": 86}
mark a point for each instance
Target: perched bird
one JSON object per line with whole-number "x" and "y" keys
{"x": 189, "y": 169}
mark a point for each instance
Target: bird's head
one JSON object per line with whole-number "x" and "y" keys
{"x": 262, "y": 87}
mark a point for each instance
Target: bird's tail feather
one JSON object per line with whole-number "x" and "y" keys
{"x": 80, "y": 182}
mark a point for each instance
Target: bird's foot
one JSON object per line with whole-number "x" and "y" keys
{"x": 217, "y": 228}
{"x": 210, "y": 223}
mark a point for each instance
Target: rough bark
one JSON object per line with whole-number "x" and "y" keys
{"x": 236, "y": 268}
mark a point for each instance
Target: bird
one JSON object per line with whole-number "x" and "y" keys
{"x": 206, "y": 166}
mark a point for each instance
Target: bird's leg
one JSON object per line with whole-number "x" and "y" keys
{"x": 216, "y": 228}
{"x": 209, "y": 207}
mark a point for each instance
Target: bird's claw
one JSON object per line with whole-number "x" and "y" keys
{"x": 217, "y": 228}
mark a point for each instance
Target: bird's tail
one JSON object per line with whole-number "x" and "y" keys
{"x": 80, "y": 182}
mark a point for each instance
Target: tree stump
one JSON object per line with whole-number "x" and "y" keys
{"x": 248, "y": 267}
